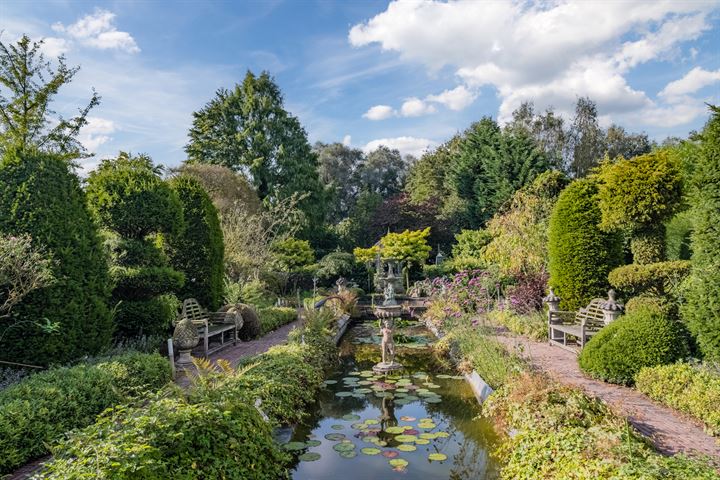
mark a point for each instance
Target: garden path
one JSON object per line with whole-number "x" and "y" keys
{"x": 670, "y": 431}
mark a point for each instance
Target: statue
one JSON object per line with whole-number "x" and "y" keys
{"x": 388, "y": 344}
{"x": 389, "y": 294}
{"x": 341, "y": 284}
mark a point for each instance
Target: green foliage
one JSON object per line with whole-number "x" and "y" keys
{"x": 532, "y": 325}
{"x": 256, "y": 292}
{"x": 559, "y": 432}
{"x": 469, "y": 243}
{"x": 408, "y": 246}
{"x": 292, "y": 254}
{"x": 657, "y": 279}
{"x": 251, "y": 323}
{"x": 337, "y": 264}
{"x": 273, "y": 317}
{"x": 198, "y": 251}
{"x": 426, "y": 177}
{"x": 580, "y": 254}
{"x": 643, "y": 338}
{"x": 383, "y": 172}
{"x": 658, "y": 304}
{"x": 41, "y": 408}
{"x": 702, "y": 313}
{"x": 677, "y": 236}
{"x": 24, "y": 267}
{"x": 39, "y": 196}
{"x": 144, "y": 283}
{"x": 689, "y": 388}
{"x": 153, "y": 316}
{"x": 228, "y": 190}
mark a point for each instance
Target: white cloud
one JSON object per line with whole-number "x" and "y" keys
{"x": 414, "y": 107}
{"x": 54, "y": 47}
{"x": 456, "y": 99}
{"x": 548, "y": 52}
{"x": 97, "y": 30}
{"x": 96, "y": 133}
{"x": 379, "y": 112}
{"x": 406, "y": 145}
{"x": 347, "y": 140}
{"x": 693, "y": 81}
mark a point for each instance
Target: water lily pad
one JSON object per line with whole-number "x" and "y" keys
{"x": 398, "y": 462}
{"x": 365, "y": 382}
{"x": 335, "y": 437}
{"x": 406, "y": 418}
{"x": 411, "y": 398}
{"x": 399, "y": 391}
{"x": 367, "y": 373}
{"x": 356, "y": 373}
{"x": 433, "y": 400}
{"x": 443, "y": 375}
{"x": 422, "y": 441}
{"x": 390, "y": 453}
{"x": 358, "y": 426}
{"x": 348, "y": 454}
{"x": 293, "y": 446}
{"x": 442, "y": 434}
{"x": 406, "y": 438}
{"x": 370, "y": 451}
{"x": 350, "y": 417}
{"x": 394, "y": 430}
{"x": 426, "y": 420}
{"x": 428, "y": 436}
{"x": 309, "y": 457}
{"x": 384, "y": 395}
{"x": 371, "y": 421}
{"x": 337, "y": 427}
{"x": 402, "y": 401}
{"x": 358, "y": 395}
{"x": 343, "y": 447}
{"x": 343, "y": 394}
{"x": 427, "y": 426}
{"x": 437, "y": 457}
{"x": 363, "y": 390}
{"x": 330, "y": 382}
{"x": 400, "y": 395}
{"x": 390, "y": 380}
{"x": 431, "y": 385}
{"x": 411, "y": 431}
{"x": 350, "y": 379}
{"x": 406, "y": 447}
{"x": 313, "y": 443}
{"x": 419, "y": 375}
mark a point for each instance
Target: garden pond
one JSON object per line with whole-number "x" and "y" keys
{"x": 421, "y": 423}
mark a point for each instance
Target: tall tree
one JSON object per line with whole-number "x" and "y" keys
{"x": 426, "y": 177}
{"x": 383, "y": 172}
{"x": 26, "y": 120}
{"x": 547, "y": 129}
{"x": 248, "y": 129}
{"x": 586, "y": 139}
{"x": 619, "y": 143}
{"x": 338, "y": 166}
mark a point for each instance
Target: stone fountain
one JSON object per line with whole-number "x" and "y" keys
{"x": 387, "y": 313}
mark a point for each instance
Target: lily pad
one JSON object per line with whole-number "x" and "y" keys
{"x": 363, "y": 390}
{"x": 422, "y": 441}
{"x": 313, "y": 443}
{"x": 343, "y": 394}
{"x": 348, "y": 454}
{"x": 399, "y": 391}
{"x": 398, "y": 462}
{"x": 371, "y": 421}
{"x": 425, "y": 420}
{"x": 437, "y": 457}
{"x": 402, "y": 401}
{"x": 370, "y": 451}
{"x": 293, "y": 446}
{"x": 411, "y": 398}
{"x": 309, "y": 457}
{"x": 350, "y": 417}
{"x": 365, "y": 382}
{"x": 406, "y": 447}
{"x": 330, "y": 382}
{"x": 433, "y": 400}
{"x": 337, "y": 427}
{"x": 428, "y": 436}
{"x": 394, "y": 430}
{"x": 358, "y": 426}
{"x": 343, "y": 447}
{"x": 335, "y": 437}
{"x": 406, "y": 438}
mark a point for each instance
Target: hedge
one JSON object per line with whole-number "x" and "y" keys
{"x": 41, "y": 408}
{"x": 642, "y": 338}
{"x": 272, "y": 318}
{"x": 40, "y": 196}
{"x": 702, "y": 311}
{"x": 691, "y": 389}
{"x": 657, "y": 279}
{"x": 580, "y": 254}
{"x": 198, "y": 252}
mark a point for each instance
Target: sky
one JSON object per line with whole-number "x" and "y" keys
{"x": 407, "y": 74}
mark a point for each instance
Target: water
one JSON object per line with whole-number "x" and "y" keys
{"x": 434, "y": 410}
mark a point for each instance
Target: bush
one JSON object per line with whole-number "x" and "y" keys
{"x": 643, "y": 338}
{"x": 40, "y": 196}
{"x": 41, "y": 408}
{"x": 291, "y": 254}
{"x": 136, "y": 318}
{"x": 701, "y": 312}
{"x": 580, "y": 254}
{"x": 273, "y": 317}
{"x": 677, "y": 236}
{"x": 691, "y": 389}
{"x": 339, "y": 264}
{"x": 198, "y": 252}
{"x": 657, "y": 279}
{"x": 525, "y": 297}
{"x": 256, "y": 292}
{"x": 661, "y": 305}
{"x": 532, "y": 325}
{"x": 251, "y": 323}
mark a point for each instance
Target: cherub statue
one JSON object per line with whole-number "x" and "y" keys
{"x": 387, "y": 344}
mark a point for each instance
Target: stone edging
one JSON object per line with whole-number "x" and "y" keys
{"x": 343, "y": 324}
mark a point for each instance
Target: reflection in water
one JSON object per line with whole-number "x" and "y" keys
{"x": 421, "y": 423}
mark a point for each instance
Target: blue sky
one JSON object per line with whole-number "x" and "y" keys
{"x": 408, "y": 74}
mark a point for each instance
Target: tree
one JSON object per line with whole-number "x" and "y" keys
{"x": 292, "y": 254}
{"x": 703, "y": 287}
{"x": 383, "y": 172}
{"x": 586, "y": 143}
{"x": 26, "y": 120}
{"x": 338, "y": 166}
{"x": 138, "y": 208}
{"x": 638, "y": 195}
{"x": 426, "y": 177}
{"x": 355, "y": 229}
{"x": 547, "y": 129}
{"x": 408, "y": 246}
{"x": 619, "y": 143}
{"x": 227, "y": 189}
{"x": 41, "y": 197}
{"x": 247, "y": 129}
{"x": 198, "y": 250}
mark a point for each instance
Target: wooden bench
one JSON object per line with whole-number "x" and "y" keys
{"x": 222, "y": 326}
{"x": 580, "y": 325}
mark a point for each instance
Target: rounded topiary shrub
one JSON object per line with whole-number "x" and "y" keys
{"x": 198, "y": 252}
{"x": 251, "y": 322}
{"x": 643, "y": 338}
{"x": 40, "y": 196}
{"x": 656, "y": 279}
{"x": 580, "y": 254}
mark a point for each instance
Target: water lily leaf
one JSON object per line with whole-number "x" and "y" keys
{"x": 309, "y": 457}
{"x": 437, "y": 457}
{"x": 356, "y": 373}
{"x": 390, "y": 453}
{"x": 365, "y": 382}
{"x": 431, "y": 385}
{"x": 427, "y": 426}
{"x": 443, "y": 375}
{"x": 343, "y": 447}
{"x": 402, "y": 401}
{"x": 337, "y": 427}
{"x": 348, "y": 454}
{"x": 426, "y": 420}
{"x": 406, "y": 447}
{"x": 428, "y": 436}
{"x": 350, "y": 417}
{"x": 358, "y": 426}
{"x": 313, "y": 443}
{"x": 335, "y": 437}
{"x": 433, "y": 400}
{"x": 411, "y": 398}
{"x": 358, "y": 395}
{"x": 394, "y": 430}
{"x": 370, "y": 451}
{"x": 406, "y": 438}
{"x": 398, "y": 462}
{"x": 343, "y": 394}
{"x": 400, "y": 395}
{"x": 371, "y": 421}
{"x": 293, "y": 446}
{"x": 398, "y": 391}
{"x": 363, "y": 390}
{"x": 422, "y": 441}
{"x": 330, "y": 382}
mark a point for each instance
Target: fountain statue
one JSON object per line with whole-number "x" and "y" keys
{"x": 386, "y": 313}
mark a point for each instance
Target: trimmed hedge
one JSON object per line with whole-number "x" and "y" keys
{"x": 41, "y": 408}
{"x": 657, "y": 279}
{"x": 642, "y": 338}
{"x": 691, "y": 389}
{"x": 702, "y": 311}
{"x": 40, "y": 196}
{"x": 272, "y": 318}
{"x": 198, "y": 252}
{"x": 580, "y": 254}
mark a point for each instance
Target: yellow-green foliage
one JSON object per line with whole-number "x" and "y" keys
{"x": 366, "y": 255}
{"x": 690, "y": 389}
{"x": 291, "y": 254}
{"x": 273, "y": 317}
{"x": 532, "y": 325}
{"x": 657, "y": 279}
{"x": 469, "y": 244}
{"x": 409, "y": 246}
{"x": 561, "y": 433}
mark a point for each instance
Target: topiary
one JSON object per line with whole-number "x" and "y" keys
{"x": 129, "y": 198}
{"x": 702, "y": 311}
{"x": 251, "y": 322}
{"x": 643, "y": 338}
{"x": 657, "y": 279}
{"x": 40, "y": 196}
{"x": 198, "y": 252}
{"x": 580, "y": 254}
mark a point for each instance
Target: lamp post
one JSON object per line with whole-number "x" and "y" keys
{"x": 611, "y": 309}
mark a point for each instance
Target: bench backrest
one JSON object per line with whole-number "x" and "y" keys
{"x": 191, "y": 309}
{"x": 592, "y": 315}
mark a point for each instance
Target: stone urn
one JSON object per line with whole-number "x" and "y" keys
{"x": 185, "y": 338}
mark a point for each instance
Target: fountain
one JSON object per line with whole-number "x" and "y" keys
{"x": 386, "y": 313}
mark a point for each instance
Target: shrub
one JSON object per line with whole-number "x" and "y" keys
{"x": 532, "y": 325}
{"x": 198, "y": 252}
{"x": 39, "y": 196}
{"x": 41, "y": 408}
{"x": 338, "y": 264}
{"x": 691, "y": 389}
{"x": 580, "y": 254}
{"x": 273, "y": 317}
{"x": 657, "y": 279}
{"x": 251, "y": 323}
{"x": 701, "y": 313}
{"x": 643, "y": 338}
{"x": 525, "y": 297}
{"x": 129, "y": 198}
{"x": 256, "y": 292}
{"x": 677, "y": 236}
{"x": 656, "y": 304}
{"x": 291, "y": 254}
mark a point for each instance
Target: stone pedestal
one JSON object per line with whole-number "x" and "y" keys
{"x": 185, "y": 338}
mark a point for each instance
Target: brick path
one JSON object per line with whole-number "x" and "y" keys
{"x": 670, "y": 431}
